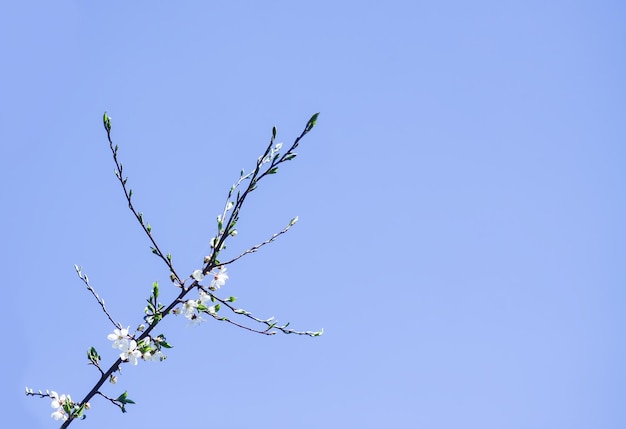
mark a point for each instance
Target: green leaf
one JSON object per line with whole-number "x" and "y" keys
{"x": 273, "y": 133}
{"x": 149, "y": 228}
{"x": 79, "y": 412}
{"x": 272, "y": 170}
{"x": 123, "y": 398}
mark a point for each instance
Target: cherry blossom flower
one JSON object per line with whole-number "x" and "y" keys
{"x": 156, "y": 356}
{"x": 130, "y": 353}
{"x": 219, "y": 278}
{"x": 205, "y": 298}
{"x": 189, "y": 307}
{"x": 119, "y": 338}
{"x": 58, "y": 402}
{"x": 196, "y": 319}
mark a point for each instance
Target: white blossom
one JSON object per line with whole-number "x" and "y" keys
{"x": 119, "y": 338}
{"x": 189, "y": 308}
{"x": 58, "y": 402}
{"x": 219, "y": 278}
{"x": 130, "y": 353}
{"x": 156, "y": 356}
{"x": 196, "y": 319}
{"x": 59, "y": 414}
{"x": 197, "y": 275}
{"x": 205, "y": 298}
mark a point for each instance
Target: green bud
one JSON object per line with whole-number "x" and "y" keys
{"x": 311, "y": 123}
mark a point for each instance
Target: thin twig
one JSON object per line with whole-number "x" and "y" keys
{"x": 113, "y": 401}
{"x": 128, "y": 194}
{"x": 85, "y": 280}
{"x": 270, "y": 323}
{"x": 258, "y": 246}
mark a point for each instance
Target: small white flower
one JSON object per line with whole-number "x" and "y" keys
{"x": 131, "y": 353}
{"x": 189, "y": 308}
{"x": 119, "y": 338}
{"x": 58, "y": 402}
{"x": 196, "y": 319}
{"x": 157, "y": 356}
{"x": 205, "y": 298}
{"x": 219, "y": 278}
{"x": 197, "y": 275}
{"x": 59, "y": 415}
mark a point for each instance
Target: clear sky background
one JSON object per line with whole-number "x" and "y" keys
{"x": 461, "y": 202}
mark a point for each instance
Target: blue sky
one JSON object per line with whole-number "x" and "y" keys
{"x": 461, "y": 205}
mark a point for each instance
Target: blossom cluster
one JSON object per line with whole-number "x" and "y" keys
{"x": 193, "y": 307}
{"x": 63, "y": 405}
{"x": 148, "y": 349}
{"x": 219, "y": 278}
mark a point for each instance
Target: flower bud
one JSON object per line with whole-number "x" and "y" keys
{"x": 197, "y": 275}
